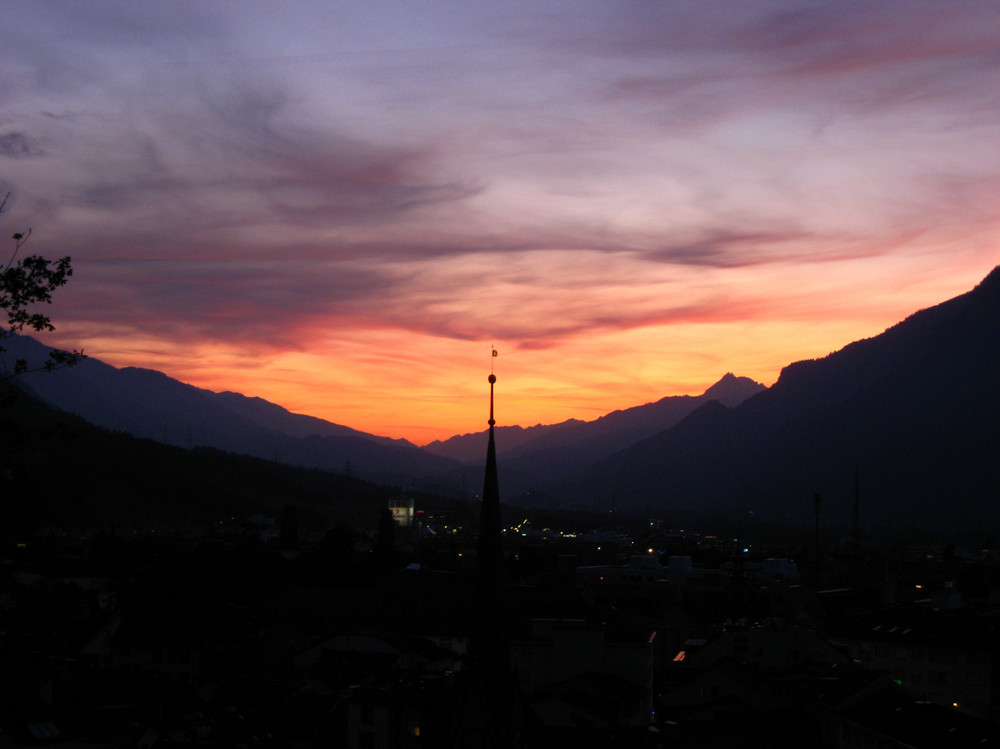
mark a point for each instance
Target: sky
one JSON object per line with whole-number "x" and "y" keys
{"x": 344, "y": 207}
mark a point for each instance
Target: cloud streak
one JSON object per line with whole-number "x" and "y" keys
{"x": 263, "y": 187}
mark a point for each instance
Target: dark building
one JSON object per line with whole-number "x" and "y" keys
{"x": 948, "y": 658}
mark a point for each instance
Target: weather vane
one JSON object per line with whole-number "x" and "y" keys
{"x": 492, "y": 379}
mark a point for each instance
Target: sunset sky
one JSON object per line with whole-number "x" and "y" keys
{"x": 340, "y": 207}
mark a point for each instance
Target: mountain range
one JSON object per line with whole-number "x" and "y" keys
{"x": 147, "y": 403}
{"x": 532, "y": 457}
{"x": 600, "y": 436}
{"x": 906, "y": 422}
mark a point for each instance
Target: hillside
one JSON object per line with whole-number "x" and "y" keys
{"x": 147, "y": 403}
{"x": 915, "y": 410}
{"x": 58, "y": 470}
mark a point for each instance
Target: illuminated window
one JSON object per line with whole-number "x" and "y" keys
{"x": 402, "y": 511}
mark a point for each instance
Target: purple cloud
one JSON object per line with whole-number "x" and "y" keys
{"x": 252, "y": 175}
{"x": 17, "y": 145}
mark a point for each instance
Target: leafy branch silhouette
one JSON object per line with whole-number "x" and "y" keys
{"x": 25, "y": 283}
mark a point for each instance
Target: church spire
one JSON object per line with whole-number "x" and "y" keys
{"x": 488, "y": 647}
{"x": 490, "y": 715}
{"x": 489, "y": 558}
{"x": 490, "y": 551}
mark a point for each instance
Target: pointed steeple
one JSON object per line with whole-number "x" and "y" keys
{"x": 490, "y": 713}
{"x": 488, "y": 644}
{"x": 489, "y": 521}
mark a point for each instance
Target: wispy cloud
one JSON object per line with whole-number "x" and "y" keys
{"x": 256, "y": 179}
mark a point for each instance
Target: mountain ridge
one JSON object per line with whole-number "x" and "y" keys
{"x": 148, "y": 403}
{"x": 629, "y": 424}
{"x": 914, "y": 409}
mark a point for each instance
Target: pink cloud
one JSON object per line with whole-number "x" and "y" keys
{"x": 243, "y": 182}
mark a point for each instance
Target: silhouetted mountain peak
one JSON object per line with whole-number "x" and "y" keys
{"x": 914, "y": 409}
{"x": 532, "y": 455}
{"x": 732, "y": 390}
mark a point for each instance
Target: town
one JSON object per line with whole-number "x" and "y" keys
{"x": 622, "y": 632}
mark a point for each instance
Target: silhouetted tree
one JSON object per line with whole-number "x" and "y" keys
{"x": 24, "y": 283}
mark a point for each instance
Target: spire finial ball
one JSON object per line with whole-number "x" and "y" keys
{"x": 493, "y": 378}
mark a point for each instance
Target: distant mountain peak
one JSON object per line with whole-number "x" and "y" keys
{"x": 912, "y": 410}
{"x": 732, "y": 390}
